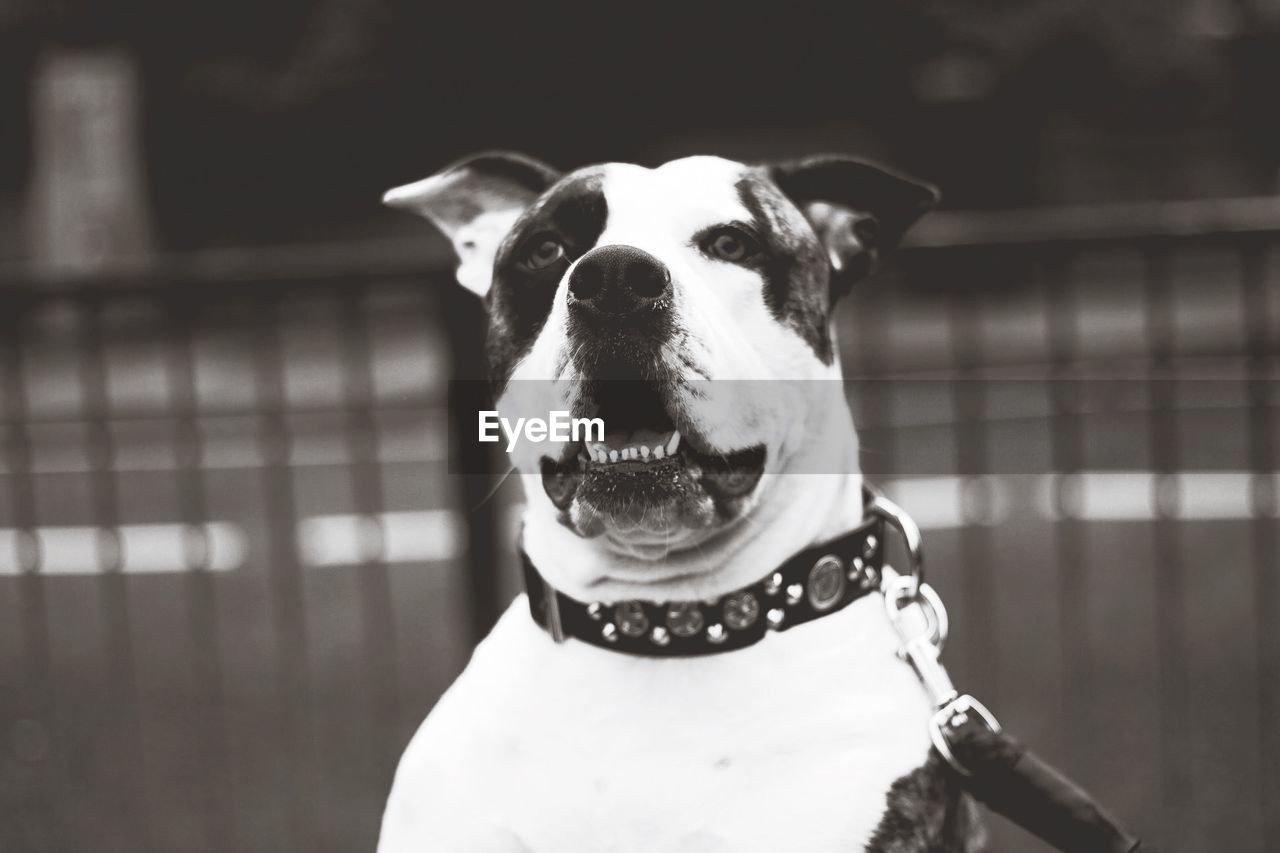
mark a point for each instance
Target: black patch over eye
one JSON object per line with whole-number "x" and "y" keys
{"x": 541, "y": 252}
{"x": 731, "y": 243}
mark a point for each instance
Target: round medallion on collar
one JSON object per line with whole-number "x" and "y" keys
{"x": 741, "y": 610}
{"x": 684, "y": 619}
{"x": 826, "y": 583}
{"x": 631, "y": 618}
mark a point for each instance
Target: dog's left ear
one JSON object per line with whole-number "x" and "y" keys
{"x": 475, "y": 201}
{"x": 859, "y": 210}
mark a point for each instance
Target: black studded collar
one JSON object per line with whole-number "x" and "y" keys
{"x": 811, "y": 584}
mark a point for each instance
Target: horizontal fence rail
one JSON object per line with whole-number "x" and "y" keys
{"x": 235, "y": 572}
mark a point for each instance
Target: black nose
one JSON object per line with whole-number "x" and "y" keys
{"x": 619, "y": 281}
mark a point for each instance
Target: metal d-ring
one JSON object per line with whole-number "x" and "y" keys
{"x": 897, "y": 518}
{"x": 951, "y": 717}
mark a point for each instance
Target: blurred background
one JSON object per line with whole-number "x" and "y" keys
{"x": 235, "y": 571}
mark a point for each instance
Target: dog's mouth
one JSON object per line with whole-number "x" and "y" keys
{"x": 652, "y": 470}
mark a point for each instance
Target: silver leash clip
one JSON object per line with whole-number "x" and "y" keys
{"x": 920, "y": 619}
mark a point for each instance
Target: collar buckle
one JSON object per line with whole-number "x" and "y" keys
{"x": 544, "y": 601}
{"x": 551, "y": 606}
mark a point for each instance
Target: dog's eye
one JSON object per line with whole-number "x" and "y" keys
{"x": 543, "y": 252}
{"x": 732, "y": 244}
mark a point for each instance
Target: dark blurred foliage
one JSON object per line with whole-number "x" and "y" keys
{"x": 273, "y": 120}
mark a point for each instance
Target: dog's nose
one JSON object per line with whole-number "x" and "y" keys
{"x": 619, "y": 281}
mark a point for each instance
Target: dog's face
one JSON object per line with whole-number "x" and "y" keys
{"x": 682, "y": 305}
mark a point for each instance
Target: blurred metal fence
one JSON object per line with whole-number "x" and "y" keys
{"x": 234, "y": 573}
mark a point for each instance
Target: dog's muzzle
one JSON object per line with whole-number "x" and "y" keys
{"x": 620, "y": 310}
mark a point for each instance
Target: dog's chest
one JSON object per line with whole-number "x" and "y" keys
{"x": 791, "y": 744}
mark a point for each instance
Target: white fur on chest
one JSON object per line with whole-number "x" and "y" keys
{"x": 790, "y": 744}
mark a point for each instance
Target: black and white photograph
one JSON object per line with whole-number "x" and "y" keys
{"x": 615, "y": 428}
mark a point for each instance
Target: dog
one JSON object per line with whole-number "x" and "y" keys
{"x": 689, "y": 306}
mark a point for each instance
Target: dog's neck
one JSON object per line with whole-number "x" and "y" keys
{"x": 802, "y": 506}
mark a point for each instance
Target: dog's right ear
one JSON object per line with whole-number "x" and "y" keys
{"x": 475, "y": 201}
{"x": 857, "y": 209}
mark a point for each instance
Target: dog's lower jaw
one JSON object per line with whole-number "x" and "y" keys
{"x": 796, "y": 509}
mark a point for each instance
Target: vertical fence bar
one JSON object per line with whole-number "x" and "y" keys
{"x": 1170, "y": 591}
{"x": 969, "y": 406}
{"x": 294, "y": 723}
{"x": 464, "y": 324}
{"x": 874, "y": 329}
{"x": 45, "y": 829}
{"x": 121, "y": 720}
{"x": 377, "y": 615}
{"x": 1067, "y": 450}
{"x": 1261, "y": 348}
{"x": 211, "y": 744}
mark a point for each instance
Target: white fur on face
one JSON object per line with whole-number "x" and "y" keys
{"x": 725, "y": 331}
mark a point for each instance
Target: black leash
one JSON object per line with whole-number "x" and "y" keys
{"x": 1011, "y": 781}
{"x": 988, "y": 764}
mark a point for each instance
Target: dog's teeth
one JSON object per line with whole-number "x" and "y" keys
{"x": 673, "y": 442}
{"x": 613, "y": 456}
{"x": 658, "y": 452}
{"x": 644, "y": 451}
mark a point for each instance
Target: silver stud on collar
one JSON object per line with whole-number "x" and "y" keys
{"x": 776, "y": 617}
{"x": 773, "y": 583}
{"x": 660, "y": 636}
{"x": 609, "y": 632}
{"x": 870, "y": 577}
{"x": 869, "y": 547}
{"x": 794, "y": 593}
{"x": 595, "y": 610}
{"x": 716, "y": 633}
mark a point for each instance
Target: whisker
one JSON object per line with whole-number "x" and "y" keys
{"x": 494, "y": 489}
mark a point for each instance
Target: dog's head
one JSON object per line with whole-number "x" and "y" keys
{"x": 641, "y": 296}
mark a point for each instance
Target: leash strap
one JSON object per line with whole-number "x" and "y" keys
{"x": 1011, "y": 781}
